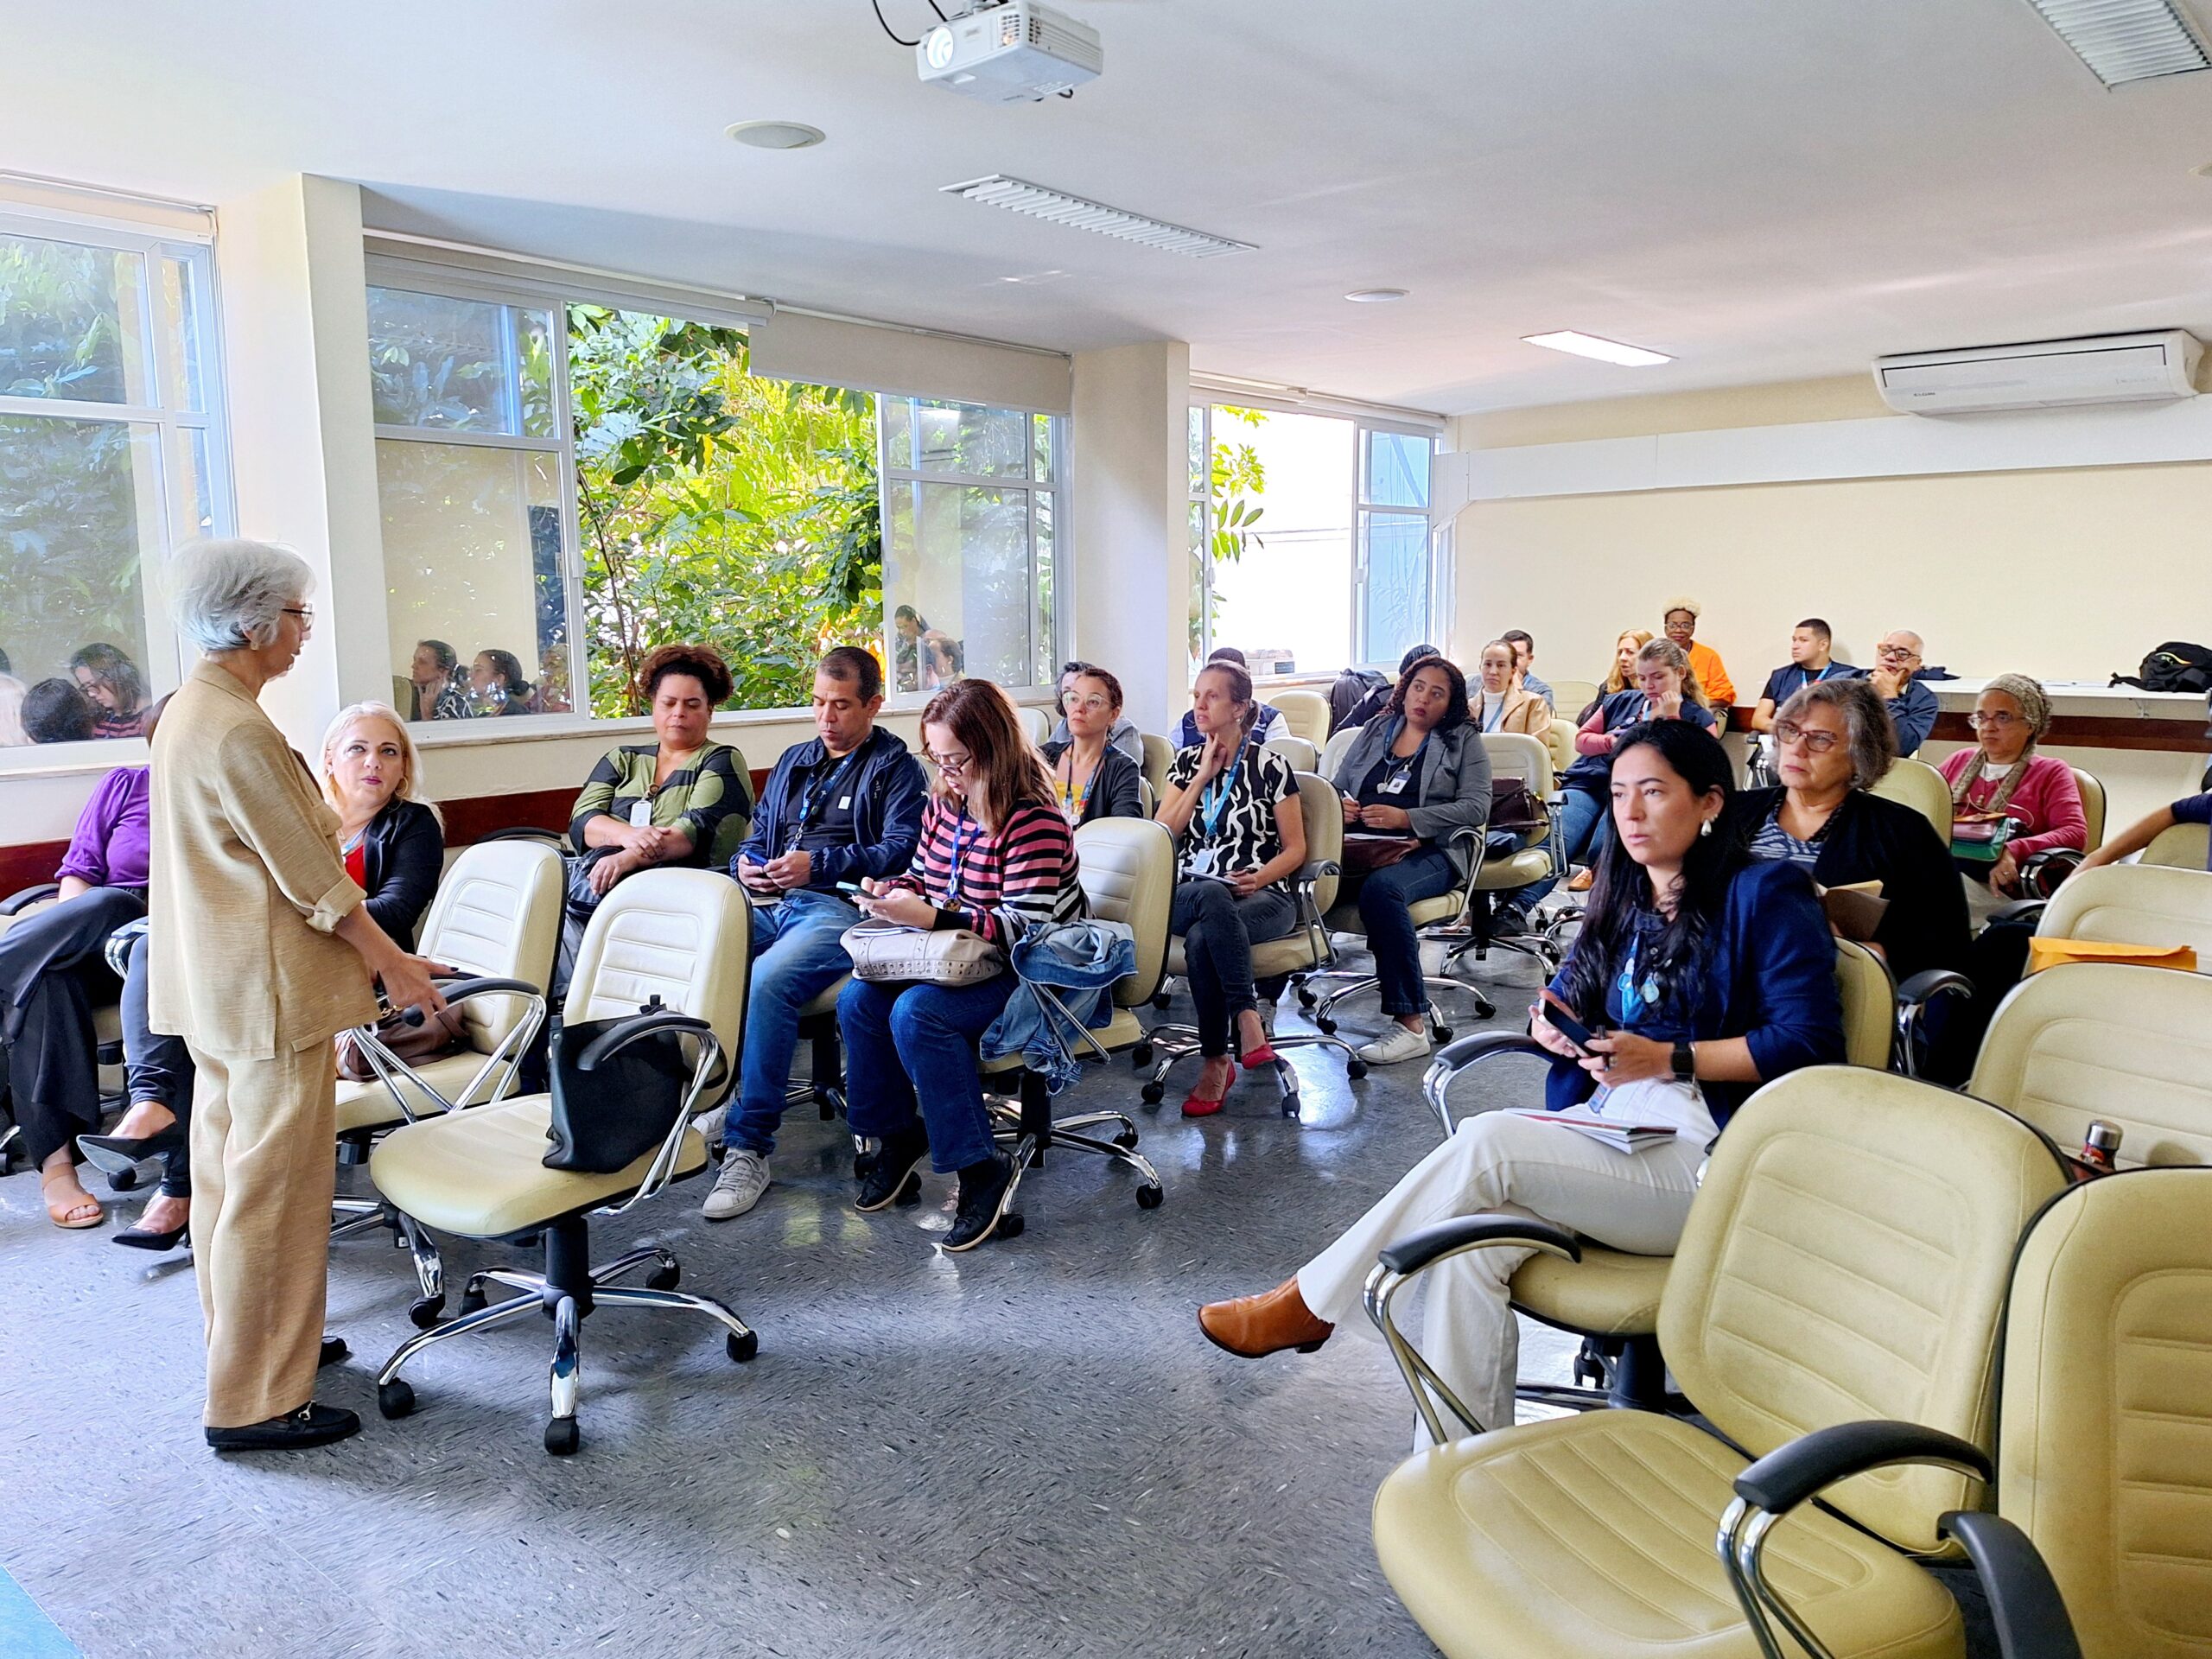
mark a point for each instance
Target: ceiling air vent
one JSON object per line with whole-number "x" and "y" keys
{"x": 2122, "y": 41}
{"x": 1059, "y": 208}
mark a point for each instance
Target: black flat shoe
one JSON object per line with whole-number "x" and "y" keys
{"x": 982, "y": 1198}
{"x": 137, "y": 1238}
{"x": 891, "y": 1177}
{"x": 116, "y": 1155}
{"x": 334, "y": 1349}
{"x": 311, "y": 1425}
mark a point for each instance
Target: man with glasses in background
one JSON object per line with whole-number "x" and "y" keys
{"x": 1911, "y": 703}
{"x": 845, "y": 804}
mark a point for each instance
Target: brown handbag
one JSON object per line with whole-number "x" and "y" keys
{"x": 442, "y": 1033}
{"x": 1365, "y": 854}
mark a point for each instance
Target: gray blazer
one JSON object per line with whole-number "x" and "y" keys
{"x": 1451, "y": 786}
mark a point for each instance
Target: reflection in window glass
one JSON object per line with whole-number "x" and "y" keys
{"x": 70, "y": 322}
{"x": 79, "y": 501}
{"x": 476, "y": 606}
{"x": 1397, "y": 470}
{"x": 975, "y": 441}
{"x": 181, "y": 383}
{"x": 1397, "y": 584}
{"x": 461, "y": 365}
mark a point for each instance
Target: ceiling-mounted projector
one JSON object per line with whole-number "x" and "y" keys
{"x": 1014, "y": 52}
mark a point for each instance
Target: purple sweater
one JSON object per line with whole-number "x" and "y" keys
{"x": 110, "y": 847}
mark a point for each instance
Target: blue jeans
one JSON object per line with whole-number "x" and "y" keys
{"x": 1386, "y": 897}
{"x": 1218, "y": 930}
{"x": 796, "y": 957}
{"x": 1582, "y": 816}
{"x": 905, "y": 1041}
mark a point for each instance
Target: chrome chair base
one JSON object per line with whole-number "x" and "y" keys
{"x": 1026, "y": 1128}
{"x": 350, "y": 1216}
{"x": 1321, "y": 1009}
{"x": 1171, "y": 1042}
{"x": 567, "y": 1292}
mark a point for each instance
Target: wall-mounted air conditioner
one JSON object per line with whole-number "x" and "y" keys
{"x": 2044, "y": 374}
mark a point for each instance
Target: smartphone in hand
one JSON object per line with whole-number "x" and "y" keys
{"x": 1568, "y": 1027}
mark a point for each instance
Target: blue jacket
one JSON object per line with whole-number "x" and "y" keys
{"x": 1913, "y": 713}
{"x": 888, "y": 794}
{"x": 1081, "y": 962}
{"x": 1770, "y": 978}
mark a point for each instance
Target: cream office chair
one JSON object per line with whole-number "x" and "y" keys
{"x": 2181, "y": 847}
{"x": 1301, "y": 754}
{"x": 1610, "y": 1297}
{"x": 1036, "y": 723}
{"x": 1920, "y": 786}
{"x": 2134, "y": 903}
{"x": 1306, "y": 947}
{"x": 1570, "y": 698}
{"x": 1502, "y": 874}
{"x": 1128, "y": 871}
{"x": 1333, "y": 751}
{"x": 1305, "y": 714}
{"x": 681, "y": 937}
{"x": 2040, "y": 873}
{"x": 1159, "y": 755}
{"x": 496, "y": 920}
{"x": 1846, "y": 1258}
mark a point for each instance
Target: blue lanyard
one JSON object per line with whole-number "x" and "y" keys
{"x": 1213, "y": 805}
{"x": 960, "y": 840}
{"x": 1402, "y": 769}
{"x": 1634, "y": 995}
{"x": 816, "y": 785}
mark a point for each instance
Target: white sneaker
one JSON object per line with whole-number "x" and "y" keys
{"x": 743, "y": 1179}
{"x": 1395, "y": 1045}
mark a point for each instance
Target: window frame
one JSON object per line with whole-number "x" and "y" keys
{"x": 1365, "y": 510}
{"x": 1059, "y": 644}
{"x": 166, "y": 657}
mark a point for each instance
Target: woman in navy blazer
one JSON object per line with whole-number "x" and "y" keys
{"x": 1699, "y": 975}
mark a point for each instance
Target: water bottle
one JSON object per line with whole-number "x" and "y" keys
{"x": 2100, "y": 1147}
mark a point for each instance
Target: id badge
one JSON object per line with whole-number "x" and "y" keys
{"x": 641, "y": 815}
{"x": 1202, "y": 861}
{"x": 1393, "y": 785}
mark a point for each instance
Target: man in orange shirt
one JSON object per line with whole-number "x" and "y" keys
{"x": 1680, "y": 618}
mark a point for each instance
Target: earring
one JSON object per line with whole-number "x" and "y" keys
{"x": 1705, "y": 828}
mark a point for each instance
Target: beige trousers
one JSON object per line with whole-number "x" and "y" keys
{"x": 263, "y": 1169}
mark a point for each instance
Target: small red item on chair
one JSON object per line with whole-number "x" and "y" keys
{"x": 1196, "y": 1105}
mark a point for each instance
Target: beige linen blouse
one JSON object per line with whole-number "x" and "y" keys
{"x": 245, "y": 884}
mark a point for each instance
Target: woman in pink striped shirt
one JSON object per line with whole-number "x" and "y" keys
{"x": 996, "y": 857}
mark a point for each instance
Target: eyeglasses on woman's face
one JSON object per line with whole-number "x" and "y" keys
{"x": 1786, "y": 731}
{"x": 952, "y": 765}
{"x": 306, "y": 615}
{"x": 1996, "y": 722}
{"x": 1093, "y": 704}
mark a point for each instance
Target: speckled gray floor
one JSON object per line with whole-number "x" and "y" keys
{"x": 1028, "y": 1450}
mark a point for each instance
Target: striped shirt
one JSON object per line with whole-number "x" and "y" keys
{"x": 1021, "y": 878}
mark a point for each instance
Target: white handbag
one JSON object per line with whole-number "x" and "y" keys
{"x": 890, "y": 951}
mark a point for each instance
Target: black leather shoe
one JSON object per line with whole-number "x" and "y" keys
{"x": 982, "y": 1191}
{"x": 311, "y": 1425}
{"x": 137, "y": 1238}
{"x": 334, "y": 1349}
{"x": 891, "y": 1179}
{"x": 113, "y": 1154}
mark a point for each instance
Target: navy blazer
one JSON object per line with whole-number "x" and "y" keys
{"x": 1770, "y": 978}
{"x": 889, "y": 791}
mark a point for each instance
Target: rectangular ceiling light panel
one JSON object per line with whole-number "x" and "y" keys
{"x": 2126, "y": 39}
{"x": 1059, "y": 208}
{"x": 1606, "y": 351}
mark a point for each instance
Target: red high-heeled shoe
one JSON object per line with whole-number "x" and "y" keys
{"x": 1197, "y": 1105}
{"x": 1264, "y": 1055}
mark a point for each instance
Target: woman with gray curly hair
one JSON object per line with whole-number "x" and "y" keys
{"x": 262, "y": 951}
{"x": 1834, "y": 742}
{"x": 2002, "y": 776}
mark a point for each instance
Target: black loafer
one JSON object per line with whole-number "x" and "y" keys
{"x": 891, "y": 1179}
{"x": 334, "y": 1349}
{"x": 311, "y": 1425}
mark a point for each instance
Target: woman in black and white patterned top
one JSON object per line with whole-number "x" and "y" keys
{"x": 1233, "y": 806}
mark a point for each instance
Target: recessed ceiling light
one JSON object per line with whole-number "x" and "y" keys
{"x": 1374, "y": 296}
{"x": 1057, "y": 207}
{"x": 2126, "y": 39}
{"x": 776, "y": 135}
{"x": 1606, "y": 351}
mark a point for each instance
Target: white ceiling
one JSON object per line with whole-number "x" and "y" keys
{"x": 1767, "y": 189}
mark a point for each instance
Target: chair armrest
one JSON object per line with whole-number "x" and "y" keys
{"x": 2040, "y": 873}
{"x": 1461, "y": 1052}
{"x": 1313, "y": 872}
{"x": 2024, "y": 1601}
{"x": 620, "y": 1036}
{"x": 460, "y": 990}
{"x": 16, "y": 903}
{"x": 1789, "y": 1475}
{"x": 2020, "y": 910}
{"x": 1394, "y": 1270}
{"x": 558, "y": 838}
{"x": 1432, "y": 1243}
{"x": 1929, "y": 984}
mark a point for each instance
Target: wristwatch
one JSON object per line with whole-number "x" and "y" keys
{"x": 1685, "y": 1063}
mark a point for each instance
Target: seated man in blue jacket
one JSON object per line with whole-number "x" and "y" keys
{"x": 845, "y": 805}
{"x": 1911, "y": 704}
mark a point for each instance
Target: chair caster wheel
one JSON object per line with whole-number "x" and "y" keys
{"x": 395, "y": 1399}
{"x": 9, "y": 1159}
{"x": 1325, "y": 1025}
{"x": 1439, "y": 1034}
{"x": 1011, "y": 1224}
{"x": 123, "y": 1180}
{"x": 1356, "y": 1068}
{"x": 1153, "y": 1094}
{"x": 743, "y": 1348}
{"x": 562, "y": 1437}
{"x": 666, "y": 1278}
{"x": 424, "y": 1311}
{"x": 1127, "y": 1140}
{"x": 1305, "y": 998}
{"x": 1140, "y": 1057}
{"x": 1149, "y": 1197}
{"x": 472, "y": 1299}
{"x": 1161, "y": 1002}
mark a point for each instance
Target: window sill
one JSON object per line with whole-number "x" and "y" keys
{"x": 99, "y": 756}
{"x": 548, "y": 729}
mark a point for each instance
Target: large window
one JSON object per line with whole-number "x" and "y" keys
{"x": 1311, "y": 547}
{"x": 573, "y": 485}
{"x": 110, "y": 456}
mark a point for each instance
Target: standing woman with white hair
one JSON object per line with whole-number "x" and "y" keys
{"x": 262, "y": 951}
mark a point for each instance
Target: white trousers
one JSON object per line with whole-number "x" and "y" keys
{"x": 1633, "y": 1201}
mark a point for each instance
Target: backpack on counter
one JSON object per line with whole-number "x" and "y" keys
{"x": 2175, "y": 666}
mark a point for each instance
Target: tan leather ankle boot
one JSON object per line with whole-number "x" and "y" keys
{"x": 1252, "y": 1327}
